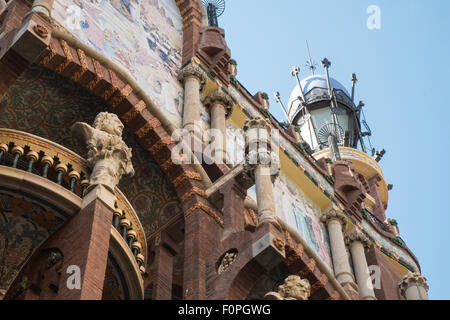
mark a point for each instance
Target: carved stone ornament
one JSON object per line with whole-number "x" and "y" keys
{"x": 294, "y": 288}
{"x": 227, "y": 260}
{"x": 108, "y": 155}
{"x": 334, "y": 214}
{"x": 356, "y": 235}
{"x": 257, "y": 123}
{"x": 261, "y": 157}
{"x": 192, "y": 70}
{"x": 413, "y": 279}
{"x": 220, "y": 97}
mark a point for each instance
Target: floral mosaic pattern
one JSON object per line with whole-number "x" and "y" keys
{"x": 24, "y": 225}
{"x": 46, "y": 104}
{"x": 142, "y": 36}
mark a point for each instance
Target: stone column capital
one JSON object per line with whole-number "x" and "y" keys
{"x": 356, "y": 235}
{"x": 413, "y": 279}
{"x": 334, "y": 214}
{"x": 257, "y": 123}
{"x": 221, "y": 98}
{"x": 262, "y": 157}
{"x": 193, "y": 71}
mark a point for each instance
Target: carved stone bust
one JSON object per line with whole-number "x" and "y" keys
{"x": 294, "y": 288}
{"x": 108, "y": 155}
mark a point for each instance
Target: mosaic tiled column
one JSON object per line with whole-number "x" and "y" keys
{"x": 358, "y": 242}
{"x": 221, "y": 107}
{"x": 335, "y": 221}
{"x": 414, "y": 287}
{"x": 194, "y": 80}
{"x": 262, "y": 165}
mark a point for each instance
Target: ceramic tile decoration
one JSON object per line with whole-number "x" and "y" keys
{"x": 145, "y": 42}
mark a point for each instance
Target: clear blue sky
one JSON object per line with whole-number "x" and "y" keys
{"x": 402, "y": 71}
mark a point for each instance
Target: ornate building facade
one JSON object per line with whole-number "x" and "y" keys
{"x": 96, "y": 98}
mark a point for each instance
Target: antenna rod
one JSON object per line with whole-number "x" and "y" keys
{"x": 278, "y": 100}
{"x": 295, "y": 72}
{"x": 354, "y": 80}
{"x": 311, "y": 64}
{"x": 358, "y": 124}
{"x": 332, "y": 139}
{"x": 326, "y": 64}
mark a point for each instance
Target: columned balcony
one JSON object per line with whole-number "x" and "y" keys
{"x": 48, "y": 172}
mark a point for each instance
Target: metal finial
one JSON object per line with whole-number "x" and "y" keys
{"x": 354, "y": 80}
{"x": 360, "y": 106}
{"x": 326, "y": 63}
{"x": 379, "y": 155}
{"x": 295, "y": 72}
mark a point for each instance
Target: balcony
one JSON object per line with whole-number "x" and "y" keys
{"x": 53, "y": 173}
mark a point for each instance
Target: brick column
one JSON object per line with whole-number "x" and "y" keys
{"x": 84, "y": 241}
{"x": 262, "y": 165}
{"x": 221, "y": 107}
{"x": 336, "y": 222}
{"x": 202, "y": 236}
{"x": 358, "y": 242}
{"x": 165, "y": 252}
{"x": 233, "y": 199}
{"x": 89, "y": 233}
{"x": 414, "y": 287}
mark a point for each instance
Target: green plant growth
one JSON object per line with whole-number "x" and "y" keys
{"x": 365, "y": 214}
{"x": 330, "y": 179}
{"x": 265, "y": 96}
{"x": 233, "y": 62}
{"x": 398, "y": 241}
{"x": 394, "y": 222}
{"x": 53, "y": 258}
{"x": 265, "y": 112}
{"x": 234, "y": 82}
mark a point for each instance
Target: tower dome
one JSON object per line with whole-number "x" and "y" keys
{"x": 311, "y": 111}
{"x": 318, "y": 82}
